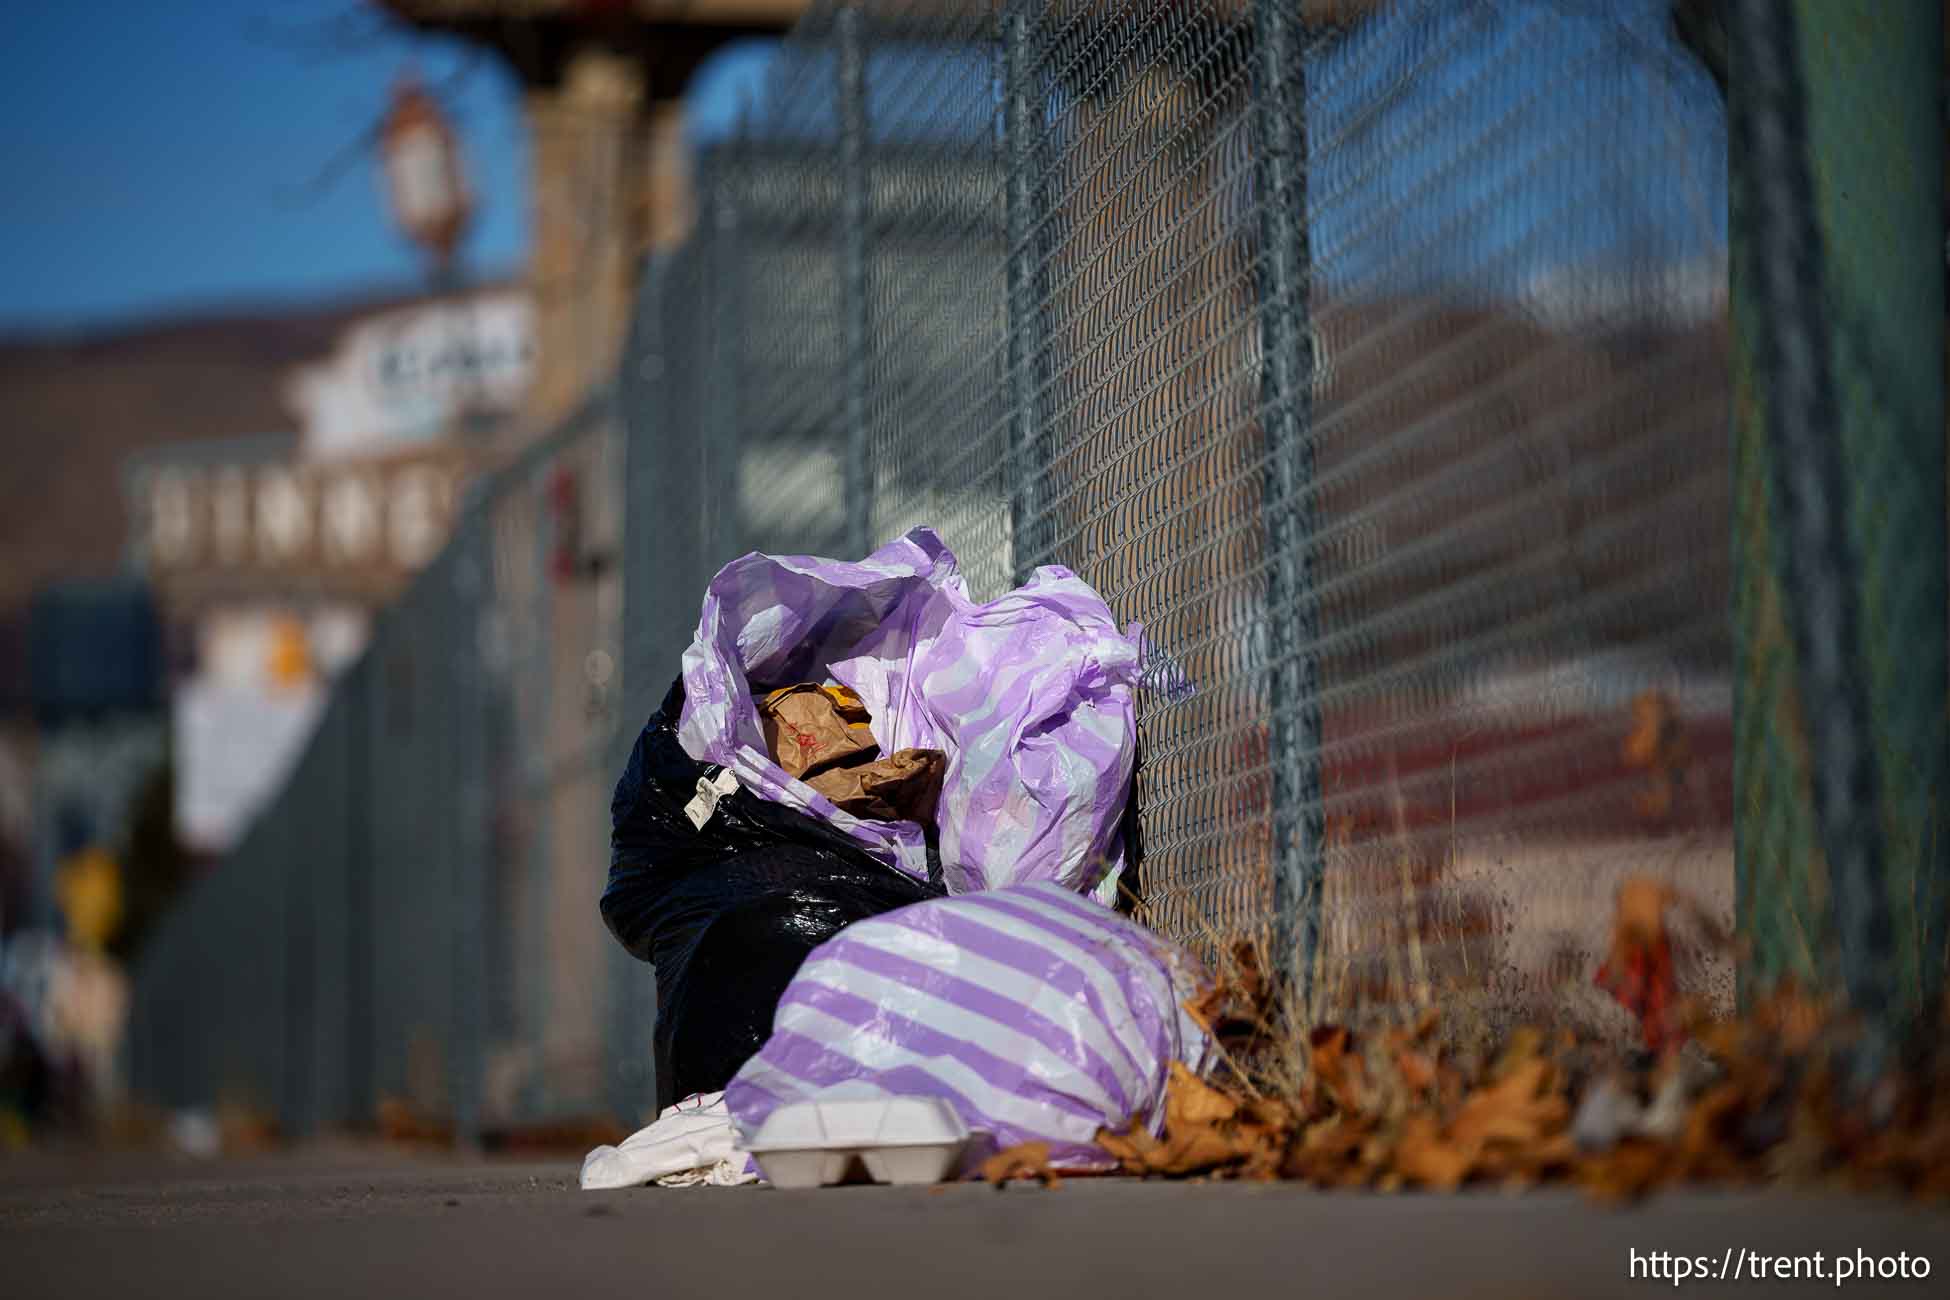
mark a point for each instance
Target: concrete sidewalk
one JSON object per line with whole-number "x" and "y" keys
{"x": 378, "y": 1224}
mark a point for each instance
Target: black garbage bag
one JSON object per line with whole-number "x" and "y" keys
{"x": 726, "y": 913}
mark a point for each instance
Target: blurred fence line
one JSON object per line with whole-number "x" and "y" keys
{"x": 1378, "y": 358}
{"x": 403, "y": 924}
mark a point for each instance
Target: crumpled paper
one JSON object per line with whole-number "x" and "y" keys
{"x": 823, "y": 736}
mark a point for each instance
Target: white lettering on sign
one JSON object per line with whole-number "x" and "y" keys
{"x": 416, "y": 533}
{"x": 286, "y": 517}
{"x": 230, "y": 517}
{"x": 172, "y": 519}
{"x": 351, "y": 519}
{"x": 283, "y": 517}
{"x": 413, "y": 375}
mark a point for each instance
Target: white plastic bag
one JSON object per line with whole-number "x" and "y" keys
{"x": 691, "y": 1143}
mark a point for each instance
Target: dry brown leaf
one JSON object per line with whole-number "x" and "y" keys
{"x": 1709, "y": 1124}
{"x": 1268, "y": 1113}
{"x": 1190, "y": 1100}
{"x": 1797, "y": 1021}
{"x": 1327, "y": 1150}
{"x": 1192, "y": 1151}
{"x": 1391, "y": 1110}
{"x": 1029, "y": 1160}
{"x": 1423, "y": 1156}
{"x": 1553, "y": 1155}
{"x": 1237, "y": 996}
{"x": 1626, "y": 1172}
{"x": 1205, "y": 1129}
{"x": 1416, "y": 1070}
{"x": 1136, "y": 1150}
{"x": 1525, "y": 1044}
{"x": 1205, "y": 1149}
{"x": 1518, "y": 1108}
{"x": 1337, "y": 1068}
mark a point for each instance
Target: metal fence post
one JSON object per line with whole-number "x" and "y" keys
{"x": 1022, "y": 129}
{"x": 532, "y": 766}
{"x": 290, "y": 860}
{"x": 1293, "y": 617}
{"x": 1839, "y": 282}
{"x": 720, "y": 431}
{"x": 1781, "y": 246}
{"x": 853, "y": 274}
{"x": 469, "y": 808}
{"x": 361, "y": 1094}
{"x": 1874, "y": 107}
{"x": 642, "y": 406}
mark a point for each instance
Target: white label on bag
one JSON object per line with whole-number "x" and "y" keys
{"x": 700, "y": 809}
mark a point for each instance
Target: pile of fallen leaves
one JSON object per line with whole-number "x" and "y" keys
{"x": 1775, "y": 1095}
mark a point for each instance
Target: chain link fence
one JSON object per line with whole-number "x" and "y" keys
{"x": 1377, "y": 367}
{"x": 1377, "y": 358}
{"x": 1839, "y": 446}
{"x": 404, "y": 931}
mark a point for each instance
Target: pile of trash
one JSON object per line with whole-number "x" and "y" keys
{"x": 849, "y": 739}
{"x": 869, "y": 843}
{"x": 1021, "y": 1015}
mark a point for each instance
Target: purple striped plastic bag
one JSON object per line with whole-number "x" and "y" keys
{"x": 1030, "y": 696}
{"x": 1040, "y": 1016}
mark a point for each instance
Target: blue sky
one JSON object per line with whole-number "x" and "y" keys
{"x": 163, "y": 157}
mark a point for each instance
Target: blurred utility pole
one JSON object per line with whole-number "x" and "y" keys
{"x": 602, "y": 84}
{"x": 433, "y": 204}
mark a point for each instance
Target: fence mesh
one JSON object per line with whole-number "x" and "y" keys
{"x": 1374, "y": 357}
{"x": 1840, "y": 456}
{"x": 1421, "y": 578}
{"x": 404, "y": 933}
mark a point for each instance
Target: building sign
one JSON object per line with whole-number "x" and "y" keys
{"x": 364, "y": 522}
{"x": 416, "y": 374}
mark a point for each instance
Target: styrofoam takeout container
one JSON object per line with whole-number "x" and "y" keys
{"x": 903, "y": 1140}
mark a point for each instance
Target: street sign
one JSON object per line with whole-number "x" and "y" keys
{"x": 407, "y": 377}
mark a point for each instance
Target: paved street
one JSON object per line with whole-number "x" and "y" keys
{"x": 366, "y": 1223}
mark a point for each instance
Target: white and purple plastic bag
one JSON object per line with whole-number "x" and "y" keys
{"x": 1030, "y": 696}
{"x": 1038, "y": 1015}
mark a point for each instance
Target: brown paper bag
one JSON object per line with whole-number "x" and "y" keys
{"x": 823, "y": 736}
{"x": 810, "y": 728}
{"x": 903, "y": 787}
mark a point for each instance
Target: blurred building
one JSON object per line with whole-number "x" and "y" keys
{"x": 170, "y": 573}
{"x": 90, "y": 857}
{"x": 84, "y": 647}
{"x": 270, "y": 554}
